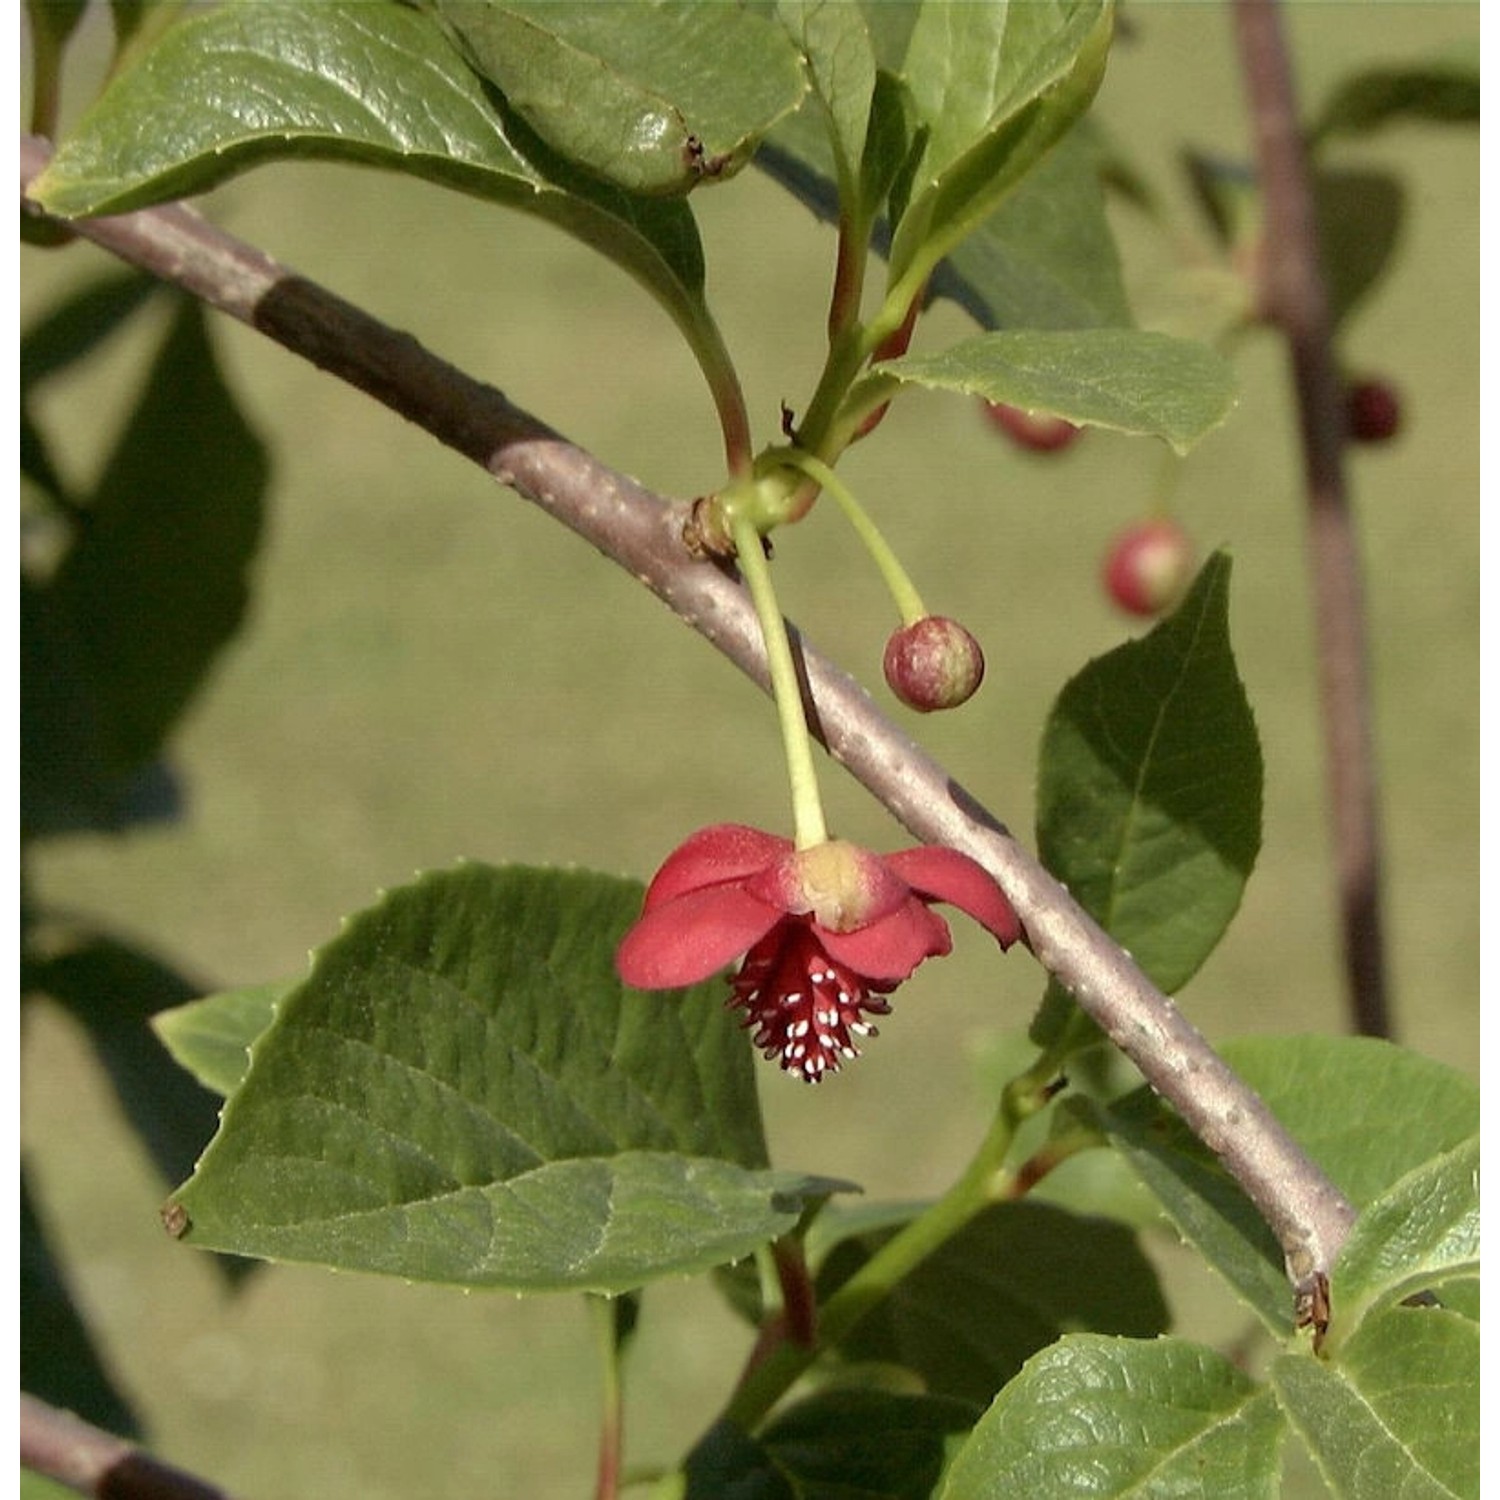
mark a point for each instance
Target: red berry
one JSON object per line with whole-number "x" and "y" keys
{"x": 1034, "y": 430}
{"x": 932, "y": 664}
{"x": 1148, "y": 566}
{"x": 1373, "y": 411}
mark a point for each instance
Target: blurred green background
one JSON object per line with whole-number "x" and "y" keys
{"x": 434, "y": 671}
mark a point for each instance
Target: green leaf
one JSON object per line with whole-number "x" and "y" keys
{"x": 1421, "y": 1232}
{"x": 462, "y": 1091}
{"x": 1359, "y": 215}
{"x": 157, "y": 583}
{"x": 346, "y": 80}
{"x": 1397, "y": 1413}
{"x": 655, "y": 97}
{"x": 1149, "y": 794}
{"x": 841, "y": 1444}
{"x": 1114, "y": 1417}
{"x": 1442, "y": 90}
{"x": 1046, "y": 258}
{"x": 1006, "y": 1285}
{"x": 1367, "y": 1112}
{"x": 996, "y": 86}
{"x": 212, "y": 1037}
{"x": 1147, "y": 384}
{"x": 840, "y": 61}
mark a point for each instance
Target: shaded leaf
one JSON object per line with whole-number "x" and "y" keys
{"x": 59, "y": 1362}
{"x": 1397, "y": 1413}
{"x": 1442, "y": 90}
{"x": 156, "y": 584}
{"x": 837, "y": 1445}
{"x": 1006, "y": 1285}
{"x": 1148, "y": 384}
{"x": 1149, "y": 790}
{"x": 1359, "y": 216}
{"x": 462, "y": 1091}
{"x": 1116, "y": 1417}
{"x": 655, "y": 97}
{"x": 212, "y": 1037}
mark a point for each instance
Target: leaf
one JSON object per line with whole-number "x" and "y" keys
{"x": 1115, "y": 1417}
{"x": 996, "y": 86}
{"x": 1397, "y": 1413}
{"x": 1148, "y": 384}
{"x": 1359, "y": 217}
{"x": 1046, "y": 257}
{"x": 655, "y": 97}
{"x": 462, "y": 1091}
{"x": 841, "y": 1444}
{"x": 1006, "y": 1285}
{"x": 1422, "y": 1231}
{"x": 1149, "y": 792}
{"x": 157, "y": 583}
{"x": 1365, "y": 1111}
{"x": 840, "y": 61}
{"x": 1442, "y": 90}
{"x": 351, "y": 81}
{"x": 212, "y": 1037}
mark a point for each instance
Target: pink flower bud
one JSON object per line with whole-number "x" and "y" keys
{"x": 1148, "y": 566}
{"x": 932, "y": 664}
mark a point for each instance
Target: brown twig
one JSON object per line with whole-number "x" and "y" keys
{"x": 1295, "y": 300}
{"x": 643, "y": 534}
{"x": 93, "y": 1462}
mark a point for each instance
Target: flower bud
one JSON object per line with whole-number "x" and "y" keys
{"x": 1148, "y": 566}
{"x": 1373, "y": 411}
{"x": 932, "y": 664}
{"x": 1038, "y": 431}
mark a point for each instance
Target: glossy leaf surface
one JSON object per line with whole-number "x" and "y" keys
{"x": 655, "y": 97}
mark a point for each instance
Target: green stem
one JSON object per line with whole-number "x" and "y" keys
{"x": 808, "y": 823}
{"x": 612, "y": 1422}
{"x": 897, "y": 580}
{"x": 707, "y": 343}
{"x": 984, "y": 1181}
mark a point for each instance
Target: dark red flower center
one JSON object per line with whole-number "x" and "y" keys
{"x": 805, "y": 1007}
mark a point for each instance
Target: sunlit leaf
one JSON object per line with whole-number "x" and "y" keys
{"x": 1397, "y": 1413}
{"x": 1120, "y": 1417}
{"x": 463, "y": 1091}
{"x": 656, "y": 96}
{"x": 1147, "y": 384}
{"x": 1149, "y": 790}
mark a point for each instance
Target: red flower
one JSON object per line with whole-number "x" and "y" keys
{"x": 827, "y": 932}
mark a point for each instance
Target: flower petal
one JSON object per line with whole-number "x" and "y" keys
{"x": 712, "y": 856}
{"x": 939, "y": 874}
{"x": 888, "y": 950}
{"x": 683, "y": 941}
